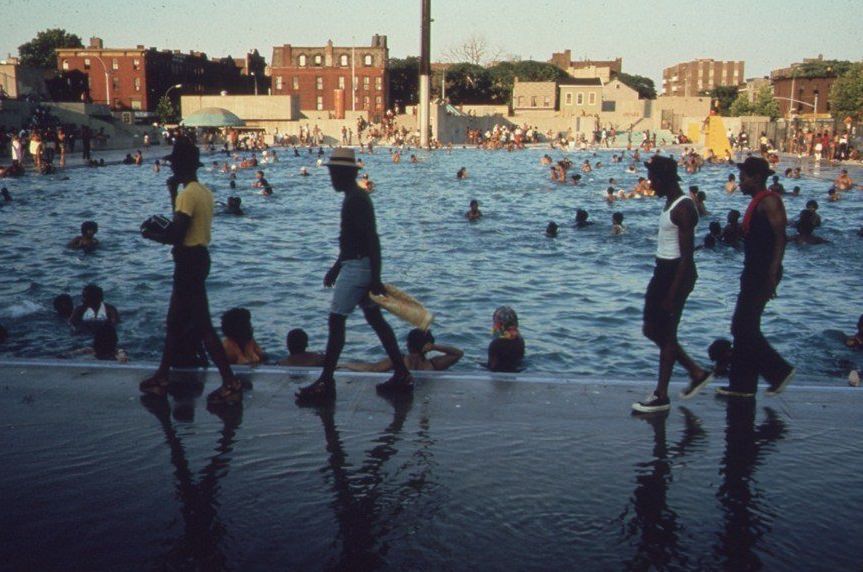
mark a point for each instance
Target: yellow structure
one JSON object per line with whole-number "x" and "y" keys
{"x": 716, "y": 138}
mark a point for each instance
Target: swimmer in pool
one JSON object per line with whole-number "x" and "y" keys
{"x": 239, "y": 342}
{"x": 93, "y": 309}
{"x": 551, "y": 230}
{"x": 474, "y": 213}
{"x": 731, "y": 184}
{"x": 104, "y": 345}
{"x": 260, "y": 181}
{"x": 617, "y": 227}
{"x": 419, "y": 344}
{"x": 234, "y": 206}
{"x": 366, "y": 184}
{"x": 506, "y": 350}
{"x": 581, "y": 217}
{"x": 87, "y": 241}
{"x": 461, "y": 174}
{"x": 298, "y": 354}
{"x": 805, "y": 229}
{"x": 856, "y": 341}
{"x": 843, "y": 182}
{"x": 64, "y": 306}
{"x": 4, "y": 192}
{"x": 732, "y": 233}
{"x": 304, "y": 172}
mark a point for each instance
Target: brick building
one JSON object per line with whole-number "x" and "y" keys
{"x": 606, "y": 70}
{"x": 137, "y": 78}
{"x": 808, "y": 82}
{"x": 690, "y": 79}
{"x": 324, "y": 77}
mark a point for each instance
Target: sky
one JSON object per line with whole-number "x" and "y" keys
{"x": 649, "y": 36}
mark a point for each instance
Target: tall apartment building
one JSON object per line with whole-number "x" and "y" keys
{"x": 334, "y": 78}
{"x": 693, "y": 78}
{"x": 137, "y": 78}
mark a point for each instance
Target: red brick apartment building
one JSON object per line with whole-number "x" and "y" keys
{"x": 693, "y": 78}
{"x": 325, "y": 77}
{"x": 137, "y": 78}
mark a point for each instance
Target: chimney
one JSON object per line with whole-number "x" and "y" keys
{"x": 96, "y": 43}
{"x": 140, "y": 46}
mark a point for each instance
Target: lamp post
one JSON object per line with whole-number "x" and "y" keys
{"x": 255, "y": 75}
{"x": 107, "y": 82}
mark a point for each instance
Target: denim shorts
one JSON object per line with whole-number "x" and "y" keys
{"x": 352, "y": 287}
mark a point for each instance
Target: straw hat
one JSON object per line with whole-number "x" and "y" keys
{"x": 342, "y": 157}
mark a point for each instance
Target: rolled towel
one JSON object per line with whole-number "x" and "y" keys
{"x": 404, "y": 306}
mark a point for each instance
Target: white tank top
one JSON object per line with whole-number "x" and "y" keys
{"x": 668, "y": 240}
{"x": 99, "y": 316}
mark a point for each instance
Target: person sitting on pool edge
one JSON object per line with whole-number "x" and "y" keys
{"x": 239, "y": 342}
{"x": 93, "y": 309}
{"x": 474, "y": 213}
{"x": 419, "y": 343}
{"x": 104, "y": 346}
{"x": 298, "y": 354}
{"x": 87, "y": 241}
{"x": 805, "y": 228}
{"x": 506, "y": 350}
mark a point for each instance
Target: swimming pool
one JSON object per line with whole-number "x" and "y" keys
{"x": 578, "y": 296}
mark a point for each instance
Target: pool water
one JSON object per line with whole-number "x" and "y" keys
{"x": 578, "y": 296}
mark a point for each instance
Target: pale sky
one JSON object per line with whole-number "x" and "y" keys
{"x": 649, "y": 36}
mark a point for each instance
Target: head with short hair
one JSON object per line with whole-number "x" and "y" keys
{"x": 89, "y": 227}
{"x": 297, "y": 341}
{"x": 812, "y": 205}
{"x": 617, "y": 218}
{"x": 474, "y": 204}
{"x": 551, "y": 229}
{"x": 63, "y": 305}
{"x": 715, "y": 228}
{"x": 733, "y": 215}
{"x": 806, "y": 223}
{"x": 237, "y": 325}
{"x": 92, "y": 296}
{"x": 417, "y": 340}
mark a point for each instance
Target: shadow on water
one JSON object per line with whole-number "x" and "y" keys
{"x": 654, "y": 526}
{"x": 201, "y": 546}
{"x": 365, "y": 504}
{"x": 748, "y": 517}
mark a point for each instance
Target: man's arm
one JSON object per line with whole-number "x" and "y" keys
{"x": 381, "y": 366}
{"x": 772, "y": 208}
{"x": 449, "y": 359}
{"x": 366, "y": 223}
{"x": 685, "y": 216}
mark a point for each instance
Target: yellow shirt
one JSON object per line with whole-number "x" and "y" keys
{"x": 196, "y": 200}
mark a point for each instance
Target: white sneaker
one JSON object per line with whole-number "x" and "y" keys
{"x": 652, "y": 404}
{"x": 854, "y": 378}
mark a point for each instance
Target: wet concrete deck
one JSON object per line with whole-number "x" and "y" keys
{"x": 472, "y": 473}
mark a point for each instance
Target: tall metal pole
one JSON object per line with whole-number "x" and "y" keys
{"x": 425, "y": 72}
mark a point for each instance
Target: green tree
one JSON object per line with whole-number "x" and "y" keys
{"x": 846, "y": 95}
{"x": 643, "y": 85}
{"x": 503, "y": 76}
{"x": 404, "y": 80}
{"x": 468, "y": 83}
{"x": 765, "y": 103}
{"x": 740, "y": 106}
{"x": 725, "y": 96}
{"x": 39, "y": 52}
{"x": 165, "y": 110}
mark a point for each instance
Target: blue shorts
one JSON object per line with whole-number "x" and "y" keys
{"x": 352, "y": 287}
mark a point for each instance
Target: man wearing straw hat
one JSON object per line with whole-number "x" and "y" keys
{"x": 355, "y": 273}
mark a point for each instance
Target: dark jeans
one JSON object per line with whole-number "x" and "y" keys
{"x": 753, "y": 355}
{"x": 189, "y": 312}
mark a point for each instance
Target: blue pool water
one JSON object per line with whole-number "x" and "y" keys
{"x": 579, "y": 296}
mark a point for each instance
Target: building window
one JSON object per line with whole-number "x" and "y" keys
{"x": 341, "y": 82}
{"x": 379, "y": 83}
{"x": 295, "y": 83}
{"x": 379, "y": 102}
{"x": 319, "y": 83}
{"x": 520, "y": 100}
{"x": 65, "y": 65}
{"x": 579, "y": 98}
{"x": 318, "y": 61}
{"x": 320, "y": 103}
{"x": 279, "y": 84}
{"x": 568, "y": 99}
{"x": 366, "y": 102}
{"x": 368, "y": 60}
{"x": 533, "y": 101}
{"x": 115, "y": 82}
{"x": 137, "y": 84}
{"x": 591, "y": 98}
{"x": 546, "y": 101}
{"x": 366, "y": 81}
{"x": 136, "y": 64}
{"x": 115, "y": 65}
{"x": 301, "y": 61}
{"x": 86, "y": 63}
{"x": 136, "y": 104}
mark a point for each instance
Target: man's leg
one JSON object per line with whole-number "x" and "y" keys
{"x": 746, "y": 329}
{"x": 388, "y": 339}
{"x": 335, "y": 344}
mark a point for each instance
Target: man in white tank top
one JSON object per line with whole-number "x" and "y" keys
{"x": 673, "y": 279}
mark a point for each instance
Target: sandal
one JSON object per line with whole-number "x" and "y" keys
{"x": 319, "y": 392}
{"x": 398, "y": 383}
{"x": 227, "y": 394}
{"x": 154, "y": 385}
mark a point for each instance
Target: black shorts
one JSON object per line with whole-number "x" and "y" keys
{"x": 189, "y": 312}
{"x": 662, "y": 323}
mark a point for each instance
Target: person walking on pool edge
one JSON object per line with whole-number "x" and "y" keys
{"x": 189, "y": 311}
{"x": 356, "y": 272}
{"x": 673, "y": 279}
{"x": 764, "y": 247}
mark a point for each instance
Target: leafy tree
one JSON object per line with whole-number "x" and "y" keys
{"x": 404, "y": 80}
{"x": 503, "y": 76}
{"x": 643, "y": 85}
{"x": 67, "y": 86}
{"x": 725, "y": 96}
{"x": 468, "y": 83}
{"x": 740, "y": 106}
{"x": 39, "y": 52}
{"x": 817, "y": 68}
{"x": 165, "y": 110}
{"x": 765, "y": 103}
{"x": 846, "y": 95}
